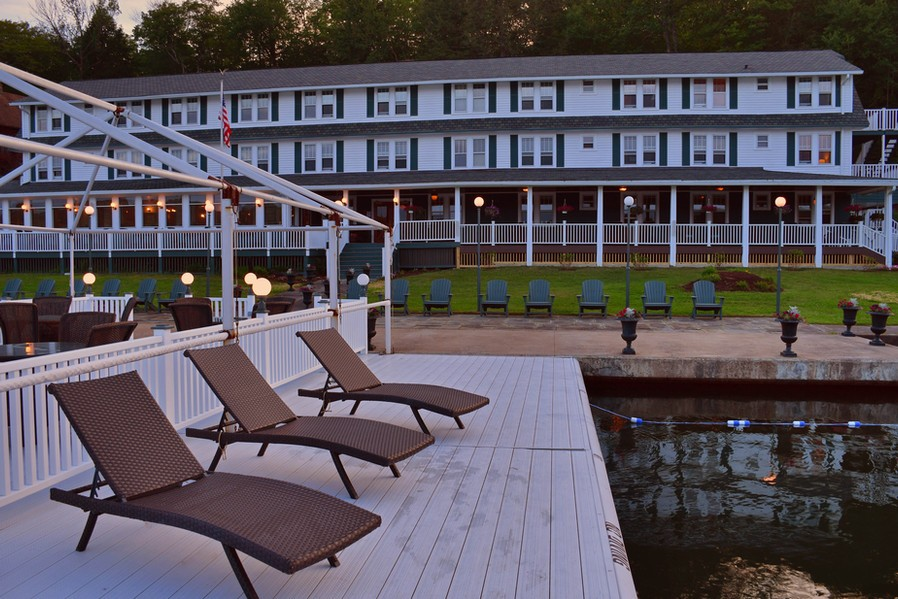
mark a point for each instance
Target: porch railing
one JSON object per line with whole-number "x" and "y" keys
{"x": 875, "y": 171}
{"x": 427, "y": 230}
{"x": 882, "y": 119}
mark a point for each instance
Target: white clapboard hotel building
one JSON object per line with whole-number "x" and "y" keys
{"x": 703, "y": 143}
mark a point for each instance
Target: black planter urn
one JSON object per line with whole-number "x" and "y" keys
{"x": 878, "y": 326}
{"x": 789, "y": 336}
{"x": 628, "y": 333}
{"x": 849, "y": 319}
{"x": 307, "y": 298}
{"x": 372, "y": 330}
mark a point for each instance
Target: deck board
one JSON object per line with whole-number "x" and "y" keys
{"x": 513, "y": 505}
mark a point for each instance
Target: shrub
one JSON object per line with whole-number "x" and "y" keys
{"x": 765, "y": 285}
{"x": 741, "y": 286}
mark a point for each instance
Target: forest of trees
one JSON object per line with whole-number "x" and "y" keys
{"x": 79, "y": 39}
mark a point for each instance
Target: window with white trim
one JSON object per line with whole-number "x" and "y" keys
{"x": 805, "y": 148}
{"x": 546, "y": 151}
{"x": 589, "y": 86}
{"x": 470, "y": 152}
{"x": 391, "y": 155}
{"x": 763, "y": 142}
{"x": 815, "y": 148}
{"x": 717, "y": 88}
{"x": 640, "y": 93}
{"x": 824, "y": 91}
{"x": 318, "y": 104}
{"x": 539, "y": 95}
{"x": 184, "y": 111}
{"x": 825, "y": 148}
{"x": 805, "y": 91}
{"x": 469, "y": 98}
{"x": 132, "y": 156}
{"x": 699, "y": 93}
{"x": 47, "y": 119}
{"x": 649, "y": 150}
{"x": 318, "y": 157}
{"x": 255, "y": 107}
{"x": 190, "y": 156}
{"x": 50, "y": 169}
{"x": 720, "y": 149}
{"x": 763, "y": 84}
{"x": 699, "y": 149}
{"x": 718, "y": 145}
{"x": 720, "y": 92}
{"x": 133, "y": 106}
{"x": 589, "y": 142}
{"x": 640, "y": 150}
{"x": 391, "y": 101}
{"x": 815, "y": 91}
{"x": 258, "y": 156}
{"x": 527, "y": 151}
{"x": 630, "y": 149}
{"x": 545, "y": 146}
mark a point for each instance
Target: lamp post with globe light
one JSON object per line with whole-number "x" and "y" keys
{"x": 628, "y": 204}
{"x": 209, "y": 207}
{"x": 89, "y": 212}
{"x": 780, "y": 202}
{"x": 478, "y": 203}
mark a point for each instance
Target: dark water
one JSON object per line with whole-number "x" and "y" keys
{"x": 710, "y": 511}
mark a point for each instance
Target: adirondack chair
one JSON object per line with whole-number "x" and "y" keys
{"x": 398, "y": 295}
{"x": 496, "y": 297}
{"x": 593, "y": 297}
{"x": 440, "y": 296}
{"x": 704, "y": 297}
{"x": 146, "y": 294}
{"x": 80, "y": 288}
{"x": 45, "y": 288}
{"x": 111, "y": 288}
{"x": 178, "y": 290}
{"x": 13, "y": 289}
{"x": 538, "y": 297}
{"x": 656, "y": 298}
{"x": 354, "y": 291}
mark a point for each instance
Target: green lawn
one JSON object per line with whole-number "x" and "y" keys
{"x": 814, "y": 291}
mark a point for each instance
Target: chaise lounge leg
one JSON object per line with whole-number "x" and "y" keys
{"x": 333, "y": 561}
{"x": 355, "y": 407}
{"x": 240, "y": 573}
{"x": 88, "y": 531}
{"x": 262, "y": 450}
{"x": 420, "y": 420}
{"x": 395, "y": 470}
{"x": 459, "y": 422}
{"x": 343, "y": 476}
{"x": 215, "y": 459}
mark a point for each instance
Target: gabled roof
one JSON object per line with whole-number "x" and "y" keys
{"x": 486, "y": 69}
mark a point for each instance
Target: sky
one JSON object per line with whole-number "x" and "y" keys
{"x": 20, "y": 10}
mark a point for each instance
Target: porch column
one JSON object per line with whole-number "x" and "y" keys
{"x": 600, "y": 226}
{"x": 163, "y": 216}
{"x": 397, "y": 216}
{"x": 818, "y": 227}
{"x": 333, "y": 275}
{"x": 116, "y": 212}
{"x": 888, "y": 226}
{"x": 6, "y": 218}
{"x": 388, "y": 292}
{"x": 530, "y": 226}
{"x": 746, "y": 226}
{"x": 185, "y": 210}
{"x": 458, "y": 215}
{"x": 48, "y": 213}
{"x": 673, "y": 226}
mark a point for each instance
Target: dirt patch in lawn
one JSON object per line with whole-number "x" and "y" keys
{"x": 730, "y": 281}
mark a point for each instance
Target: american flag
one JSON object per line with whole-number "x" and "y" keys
{"x": 225, "y": 125}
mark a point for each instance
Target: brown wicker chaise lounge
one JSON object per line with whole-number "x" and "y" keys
{"x": 263, "y": 417}
{"x": 154, "y": 477}
{"x": 348, "y": 372}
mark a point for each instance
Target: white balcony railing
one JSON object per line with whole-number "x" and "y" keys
{"x": 427, "y": 230}
{"x": 882, "y": 119}
{"x": 875, "y": 171}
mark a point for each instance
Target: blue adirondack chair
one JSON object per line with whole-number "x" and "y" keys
{"x": 111, "y": 288}
{"x": 354, "y": 291}
{"x": 45, "y": 288}
{"x": 704, "y": 298}
{"x": 178, "y": 290}
{"x": 398, "y": 295}
{"x": 656, "y": 298}
{"x": 13, "y": 289}
{"x": 496, "y": 297}
{"x": 538, "y": 297}
{"x": 440, "y": 296}
{"x": 146, "y": 294}
{"x": 593, "y": 297}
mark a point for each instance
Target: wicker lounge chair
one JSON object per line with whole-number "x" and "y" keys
{"x": 153, "y": 477}
{"x": 262, "y": 417}
{"x": 496, "y": 297}
{"x": 347, "y": 371}
{"x": 656, "y": 298}
{"x": 593, "y": 297}
{"x": 538, "y": 297}
{"x": 705, "y": 298}
{"x": 112, "y": 332}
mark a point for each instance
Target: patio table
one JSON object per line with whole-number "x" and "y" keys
{"x": 20, "y": 351}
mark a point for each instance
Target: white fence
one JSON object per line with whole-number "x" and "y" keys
{"x": 882, "y": 119}
{"x": 427, "y": 230}
{"x": 39, "y": 447}
{"x": 875, "y": 171}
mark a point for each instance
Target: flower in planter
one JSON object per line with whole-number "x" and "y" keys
{"x": 565, "y": 208}
{"x": 629, "y": 313}
{"x": 491, "y": 211}
{"x": 791, "y": 314}
{"x": 880, "y": 308}
{"x": 855, "y": 208}
{"x": 849, "y": 303}
{"x": 709, "y": 208}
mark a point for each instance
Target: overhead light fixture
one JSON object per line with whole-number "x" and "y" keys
{"x": 113, "y": 204}
{"x": 622, "y": 188}
{"x": 259, "y": 202}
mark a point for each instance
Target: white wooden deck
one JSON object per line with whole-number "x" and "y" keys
{"x": 515, "y": 505}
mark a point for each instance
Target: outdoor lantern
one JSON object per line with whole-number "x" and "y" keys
{"x": 89, "y": 279}
{"x": 187, "y": 279}
{"x": 261, "y": 289}
{"x": 250, "y": 278}
{"x": 363, "y": 280}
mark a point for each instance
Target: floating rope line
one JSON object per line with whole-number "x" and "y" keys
{"x": 741, "y": 424}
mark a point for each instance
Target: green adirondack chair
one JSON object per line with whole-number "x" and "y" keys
{"x": 538, "y": 297}
{"x": 178, "y": 290}
{"x": 398, "y": 295}
{"x": 440, "y": 296}
{"x": 656, "y": 298}
{"x": 111, "y": 288}
{"x": 593, "y": 297}
{"x": 704, "y": 298}
{"x": 146, "y": 294}
{"x": 496, "y": 296}
{"x": 13, "y": 289}
{"x": 45, "y": 288}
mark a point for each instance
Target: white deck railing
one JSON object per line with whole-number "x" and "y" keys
{"x": 875, "y": 171}
{"x": 427, "y": 230}
{"x": 882, "y": 119}
{"x": 37, "y": 445}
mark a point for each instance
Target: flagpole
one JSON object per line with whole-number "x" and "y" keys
{"x": 227, "y": 232}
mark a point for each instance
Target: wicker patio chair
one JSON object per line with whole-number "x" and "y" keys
{"x": 18, "y": 322}
{"x": 357, "y": 383}
{"x": 52, "y": 305}
{"x": 153, "y": 477}
{"x": 75, "y": 327}
{"x": 128, "y": 309}
{"x": 113, "y": 332}
{"x": 192, "y": 313}
{"x": 262, "y": 417}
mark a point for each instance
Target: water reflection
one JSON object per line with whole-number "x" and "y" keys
{"x": 768, "y": 511}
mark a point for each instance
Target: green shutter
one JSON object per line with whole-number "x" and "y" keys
{"x": 370, "y": 146}
{"x": 838, "y": 148}
{"x": 447, "y": 153}
{"x": 66, "y": 123}
{"x": 165, "y": 112}
{"x": 492, "y": 151}
{"x": 204, "y": 163}
{"x": 165, "y": 166}
{"x": 147, "y": 161}
{"x": 662, "y": 94}
{"x": 67, "y": 169}
{"x": 110, "y": 172}
{"x": 29, "y": 156}
{"x": 838, "y": 84}
{"x": 274, "y": 158}
{"x": 413, "y": 154}
{"x": 514, "y": 96}
{"x": 615, "y": 94}
{"x": 32, "y": 115}
{"x": 340, "y": 156}
{"x": 340, "y": 103}
{"x": 492, "y": 96}
{"x": 662, "y": 148}
{"x": 297, "y": 157}
{"x": 148, "y": 109}
{"x": 447, "y": 98}
{"x": 559, "y": 150}
{"x": 235, "y": 154}
{"x": 413, "y": 92}
{"x": 686, "y": 160}
{"x": 559, "y": 95}
{"x": 790, "y": 92}
{"x": 370, "y": 102}
{"x": 790, "y": 148}
{"x": 684, "y": 91}
{"x": 615, "y": 149}
{"x": 234, "y": 117}
{"x": 204, "y": 110}
{"x": 297, "y": 105}
{"x": 734, "y": 93}
{"x": 513, "y": 154}
{"x": 275, "y": 106}
{"x": 734, "y": 145}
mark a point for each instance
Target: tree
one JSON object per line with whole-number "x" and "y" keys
{"x": 359, "y": 31}
{"x": 180, "y": 38}
{"x": 262, "y": 33}
{"x": 33, "y": 50}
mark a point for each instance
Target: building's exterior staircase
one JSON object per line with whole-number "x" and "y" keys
{"x": 356, "y": 255}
